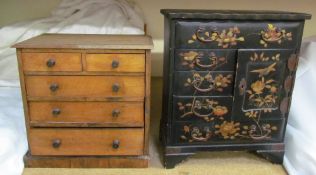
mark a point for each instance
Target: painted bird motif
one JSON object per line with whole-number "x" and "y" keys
{"x": 265, "y": 71}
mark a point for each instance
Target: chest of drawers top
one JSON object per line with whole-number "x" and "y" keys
{"x": 87, "y": 41}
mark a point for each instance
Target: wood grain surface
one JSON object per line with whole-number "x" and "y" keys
{"x": 63, "y": 62}
{"x": 85, "y": 86}
{"x": 126, "y": 62}
{"x": 82, "y": 114}
{"x": 82, "y": 142}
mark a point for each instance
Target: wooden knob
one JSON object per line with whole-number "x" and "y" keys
{"x": 56, "y": 111}
{"x": 116, "y": 144}
{"x": 51, "y": 62}
{"x": 56, "y": 143}
{"x": 115, "y": 87}
{"x": 116, "y": 112}
{"x": 53, "y": 87}
{"x": 115, "y": 64}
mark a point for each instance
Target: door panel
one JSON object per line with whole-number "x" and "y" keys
{"x": 261, "y": 83}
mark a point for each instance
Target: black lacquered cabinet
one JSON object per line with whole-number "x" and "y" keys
{"x": 228, "y": 80}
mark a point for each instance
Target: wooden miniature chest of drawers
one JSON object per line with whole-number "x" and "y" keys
{"x": 86, "y": 99}
{"x": 228, "y": 80}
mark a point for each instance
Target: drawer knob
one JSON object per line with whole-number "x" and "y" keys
{"x": 115, "y": 87}
{"x": 50, "y": 63}
{"x": 116, "y": 144}
{"x": 116, "y": 113}
{"x": 56, "y": 143}
{"x": 53, "y": 87}
{"x": 115, "y": 64}
{"x": 56, "y": 111}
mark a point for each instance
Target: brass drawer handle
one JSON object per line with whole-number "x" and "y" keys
{"x": 116, "y": 144}
{"x": 56, "y": 143}
{"x": 53, "y": 87}
{"x": 115, "y": 87}
{"x": 116, "y": 113}
{"x": 56, "y": 111}
{"x": 115, "y": 64}
{"x": 51, "y": 62}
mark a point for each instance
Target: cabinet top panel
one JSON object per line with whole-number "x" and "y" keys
{"x": 233, "y": 14}
{"x": 87, "y": 41}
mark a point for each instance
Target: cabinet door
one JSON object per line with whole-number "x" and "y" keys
{"x": 262, "y": 82}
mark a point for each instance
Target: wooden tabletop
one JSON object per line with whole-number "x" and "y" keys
{"x": 87, "y": 41}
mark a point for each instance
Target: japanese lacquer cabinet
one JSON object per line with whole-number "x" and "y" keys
{"x": 228, "y": 80}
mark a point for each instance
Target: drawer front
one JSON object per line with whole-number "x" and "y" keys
{"x": 224, "y": 132}
{"x": 97, "y": 113}
{"x": 83, "y": 142}
{"x": 203, "y": 83}
{"x": 51, "y": 62}
{"x": 85, "y": 86}
{"x": 204, "y": 109}
{"x": 205, "y": 60}
{"x": 241, "y": 34}
{"x": 115, "y": 62}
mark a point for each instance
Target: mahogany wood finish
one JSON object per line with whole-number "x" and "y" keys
{"x": 86, "y": 100}
{"x": 228, "y": 81}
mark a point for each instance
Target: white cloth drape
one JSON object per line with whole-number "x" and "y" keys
{"x": 300, "y": 137}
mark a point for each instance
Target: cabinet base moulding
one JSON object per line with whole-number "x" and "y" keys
{"x": 31, "y": 161}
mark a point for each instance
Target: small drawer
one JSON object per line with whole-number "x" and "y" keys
{"x": 115, "y": 62}
{"x": 205, "y": 59}
{"x": 51, "y": 62}
{"x": 203, "y": 109}
{"x": 85, "y": 86}
{"x": 73, "y": 114}
{"x": 203, "y": 83}
{"x": 237, "y": 34}
{"x": 84, "y": 142}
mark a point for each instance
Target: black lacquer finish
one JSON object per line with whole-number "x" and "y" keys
{"x": 228, "y": 80}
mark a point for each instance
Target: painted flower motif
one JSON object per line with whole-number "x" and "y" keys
{"x": 258, "y": 86}
{"x": 221, "y": 81}
{"x": 190, "y": 56}
{"x": 220, "y": 111}
{"x": 228, "y": 129}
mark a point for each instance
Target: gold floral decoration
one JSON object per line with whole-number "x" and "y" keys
{"x": 192, "y": 59}
{"x": 224, "y": 39}
{"x": 210, "y": 108}
{"x": 274, "y": 35}
{"x": 217, "y": 83}
{"x": 228, "y": 130}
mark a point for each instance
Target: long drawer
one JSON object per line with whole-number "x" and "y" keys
{"x": 109, "y": 114}
{"x": 85, "y": 86}
{"x": 227, "y": 131}
{"x": 237, "y": 34}
{"x": 82, "y": 142}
